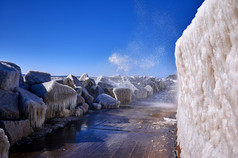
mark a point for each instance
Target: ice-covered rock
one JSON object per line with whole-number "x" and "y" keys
{"x": 107, "y": 101}
{"x": 4, "y": 144}
{"x": 96, "y": 106}
{"x": 9, "y": 78}
{"x": 86, "y": 81}
{"x": 9, "y": 105}
{"x": 21, "y": 81}
{"x": 32, "y": 107}
{"x": 15, "y": 130}
{"x": 56, "y": 96}
{"x": 37, "y": 77}
{"x": 207, "y": 65}
{"x": 84, "y": 107}
{"x": 77, "y": 112}
{"x": 106, "y": 84}
{"x": 79, "y": 90}
{"x": 123, "y": 95}
{"x": 149, "y": 90}
{"x": 95, "y": 91}
{"x": 80, "y": 99}
{"x": 73, "y": 82}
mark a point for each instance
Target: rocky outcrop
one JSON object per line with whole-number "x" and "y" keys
{"x": 9, "y": 105}
{"x": 107, "y": 101}
{"x": 123, "y": 95}
{"x": 206, "y": 59}
{"x": 56, "y": 96}
{"x": 37, "y": 77}
{"x": 15, "y": 130}
{"x": 32, "y": 107}
{"x": 9, "y": 78}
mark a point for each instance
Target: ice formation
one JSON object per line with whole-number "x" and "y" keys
{"x": 4, "y": 144}
{"x": 15, "y": 130}
{"x": 123, "y": 95}
{"x": 9, "y": 78}
{"x": 107, "y": 101}
{"x": 9, "y": 105}
{"x": 37, "y": 77}
{"x": 207, "y": 64}
{"x": 73, "y": 82}
{"x": 57, "y": 97}
{"x": 32, "y": 107}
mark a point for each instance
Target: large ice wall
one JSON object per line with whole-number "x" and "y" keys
{"x": 207, "y": 65}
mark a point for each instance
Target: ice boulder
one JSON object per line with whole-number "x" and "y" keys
{"x": 107, "y": 101}
{"x": 37, "y": 77}
{"x": 13, "y": 65}
{"x": 9, "y": 105}
{"x": 84, "y": 107}
{"x": 16, "y": 130}
{"x": 149, "y": 90}
{"x": 9, "y": 76}
{"x": 32, "y": 107}
{"x": 73, "y": 82}
{"x": 96, "y": 106}
{"x": 56, "y": 96}
{"x": 80, "y": 99}
{"x": 123, "y": 95}
{"x": 207, "y": 67}
{"x": 95, "y": 91}
{"x": 4, "y": 144}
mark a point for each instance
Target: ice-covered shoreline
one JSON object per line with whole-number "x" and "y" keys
{"x": 31, "y": 99}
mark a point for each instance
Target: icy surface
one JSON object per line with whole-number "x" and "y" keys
{"x": 123, "y": 95}
{"x": 32, "y": 107}
{"x": 56, "y": 96}
{"x": 4, "y": 144}
{"x": 207, "y": 64}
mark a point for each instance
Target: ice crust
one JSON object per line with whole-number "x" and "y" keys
{"x": 207, "y": 65}
{"x": 4, "y": 144}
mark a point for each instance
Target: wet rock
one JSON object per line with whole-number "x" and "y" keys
{"x": 123, "y": 95}
{"x": 4, "y": 144}
{"x": 96, "y": 106}
{"x": 107, "y": 101}
{"x": 37, "y": 77}
{"x": 57, "y": 97}
{"x": 32, "y": 107}
{"x": 15, "y": 130}
{"x": 9, "y": 78}
{"x": 9, "y": 105}
{"x": 73, "y": 82}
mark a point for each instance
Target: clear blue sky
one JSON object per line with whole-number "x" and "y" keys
{"x": 99, "y": 37}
